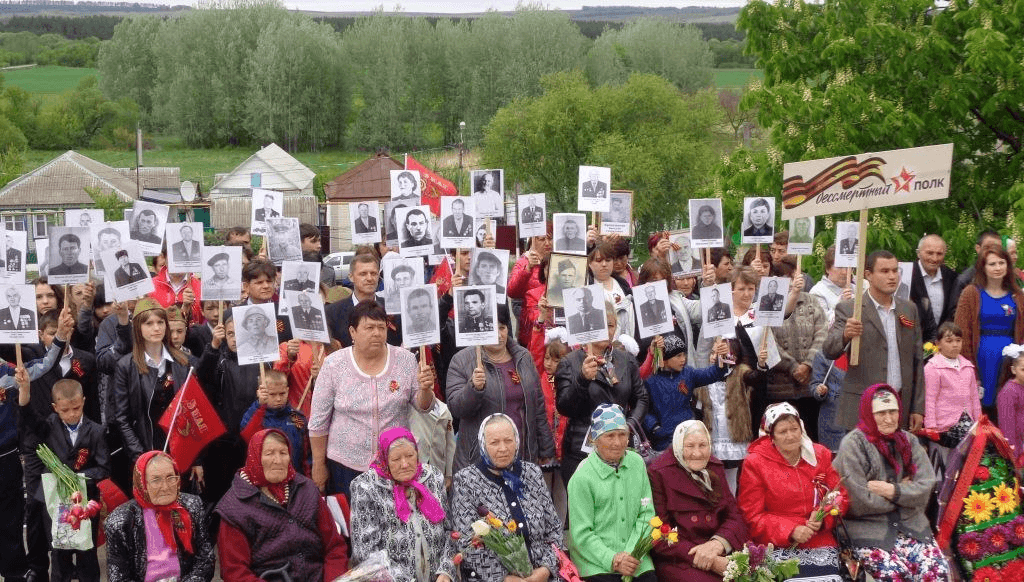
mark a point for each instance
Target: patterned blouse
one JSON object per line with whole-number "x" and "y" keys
{"x": 352, "y": 408}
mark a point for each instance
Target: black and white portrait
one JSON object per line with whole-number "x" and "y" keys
{"x": 903, "y": 289}
{"x": 457, "y": 214}
{"x": 283, "y": 240}
{"x": 706, "y": 223}
{"x": 185, "y": 247}
{"x": 222, "y": 273}
{"x": 405, "y": 187}
{"x": 619, "y": 219}
{"x": 684, "y": 260}
{"x": 489, "y": 193}
{"x": 490, "y": 267}
{"x": 585, "y": 316}
{"x": 18, "y": 315}
{"x": 532, "y": 215}
{"x": 847, "y": 244}
{"x": 43, "y": 253}
{"x": 570, "y": 231}
{"x": 147, "y": 226}
{"x": 801, "y": 236}
{"x": 392, "y": 224}
{"x": 69, "y": 255}
{"x": 414, "y": 231}
{"x": 420, "y": 316}
{"x": 265, "y": 204}
{"x": 564, "y": 272}
{"x": 758, "y": 220}
{"x": 86, "y": 217}
{"x": 15, "y": 249}
{"x": 594, "y": 185}
{"x": 300, "y": 276}
{"x": 255, "y": 333}
{"x": 476, "y": 316}
{"x": 306, "y": 315}
{"x": 363, "y": 219}
{"x": 716, "y": 310}
{"x": 771, "y": 301}
{"x": 653, "y": 310}
{"x": 109, "y": 236}
{"x": 399, "y": 273}
{"x": 126, "y": 277}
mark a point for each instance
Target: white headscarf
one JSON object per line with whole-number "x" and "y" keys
{"x": 771, "y": 416}
{"x": 683, "y": 430}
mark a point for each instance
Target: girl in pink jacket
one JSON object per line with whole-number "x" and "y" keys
{"x": 950, "y": 382}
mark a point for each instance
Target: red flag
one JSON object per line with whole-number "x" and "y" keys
{"x": 432, "y": 185}
{"x": 843, "y": 362}
{"x": 442, "y": 277}
{"x": 196, "y": 423}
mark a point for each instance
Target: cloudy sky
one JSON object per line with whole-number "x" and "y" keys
{"x": 456, "y": 6}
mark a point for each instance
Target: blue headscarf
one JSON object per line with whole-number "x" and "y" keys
{"x": 511, "y": 475}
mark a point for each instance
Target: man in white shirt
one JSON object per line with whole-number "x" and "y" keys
{"x": 931, "y": 285}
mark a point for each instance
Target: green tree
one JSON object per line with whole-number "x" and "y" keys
{"x": 128, "y": 63}
{"x": 651, "y": 45}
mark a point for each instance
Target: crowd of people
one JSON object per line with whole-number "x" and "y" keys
{"x": 339, "y": 451}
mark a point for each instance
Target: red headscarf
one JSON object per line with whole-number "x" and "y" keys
{"x": 171, "y": 518}
{"x": 869, "y": 427}
{"x": 253, "y": 469}
{"x": 428, "y": 504}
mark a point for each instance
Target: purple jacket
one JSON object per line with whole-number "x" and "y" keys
{"x": 681, "y": 503}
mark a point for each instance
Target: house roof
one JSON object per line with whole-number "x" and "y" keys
{"x": 62, "y": 182}
{"x": 369, "y": 180}
{"x": 278, "y": 169}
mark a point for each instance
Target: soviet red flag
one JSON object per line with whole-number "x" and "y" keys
{"x": 432, "y": 185}
{"x": 442, "y": 277}
{"x": 195, "y": 423}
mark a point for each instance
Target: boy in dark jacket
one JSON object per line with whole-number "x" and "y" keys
{"x": 271, "y": 410}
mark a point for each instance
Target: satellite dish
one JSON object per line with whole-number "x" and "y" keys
{"x": 188, "y": 191}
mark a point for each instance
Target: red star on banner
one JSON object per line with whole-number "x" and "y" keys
{"x": 903, "y": 180}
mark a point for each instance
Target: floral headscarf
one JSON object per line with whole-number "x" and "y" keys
{"x": 171, "y": 518}
{"x": 512, "y": 474}
{"x": 869, "y": 427}
{"x": 253, "y": 469}
{"x": 427, "y": 503}
{"x": 772, "y": 415}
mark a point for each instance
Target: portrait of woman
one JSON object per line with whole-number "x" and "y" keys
{"x": 408, "y": 187}
{"x": 707, "y": 225}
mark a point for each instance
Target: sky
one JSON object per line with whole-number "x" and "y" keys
{"x": 458, "y": 6}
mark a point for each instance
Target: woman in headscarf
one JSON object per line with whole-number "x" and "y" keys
{"x": 396, "y": 507}
{"x": 610, "y": 503}
{"x": 889, "y": 481}
{"x": 161, "y": 534}
{"x": 784, "y": 479}
{"x": 274, "y": 520}
{"x": 691, "y": 494}
{"x": 513, "y": 490}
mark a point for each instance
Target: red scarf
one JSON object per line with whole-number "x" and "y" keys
{"x": 253, "y": 469}
{"x": 172, "y": 518}
{"x": 868, "y": 426}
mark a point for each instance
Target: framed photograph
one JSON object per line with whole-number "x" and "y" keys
{"x": 716, "y": 311}
{"x": 265, "y": 204}
{"x": 488, "y": 193}
{"x": 185, "y": 247}
{"x": 256, "y": 333}
{"x": 480, "y": 226}
{"x": 706, "y": 223}
{"x": 400, "y": 273}
{"x": 391, "y": 228}
{"x": 758, "y": 220}
{"x": 903, "y": 290}
{"x": 306, "y": 315}
{"x": 683, "y": 258}
{"x": 653, "y": 310}
{"x": 457, "y": 213}
{"x": 490, "y": 267}
{"x": 564, "y": 272}
{"x": 420, "y": 316}
{"x": 594, "y": 184}
{"x": 585, "y": 317}
{"x": 42, "y": 254}
{"x": 18, "y": 314}
{"x": 127, "y": 276}
{"x": 847, "y": 244}
{"x": 364, "y": 219}
{"x": 801, "y": 236}
{"x": 147, "y": 226}
{"x": 618, "y": 220}
{"x": 570, "y": 233}
{"x": 414, "y": 231}
{"x": 770, "y": 307}
{"x": 15, "y": 249}
{"x": 110, "y": 236}
{"x": 68, "y": 263}
{"x": 297, "y": 277}
{"x": 405, "y": 186}
{"x": 85, "y": 217}
{"x": 283, "y": 240}
{"x": 476, "y": 316}
{"x": 222, "y": 273}
{"x": 532, "y": 215}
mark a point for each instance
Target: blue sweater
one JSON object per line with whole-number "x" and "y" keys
{"x": 669, "y": 405}
{"x": 286, "y": 419}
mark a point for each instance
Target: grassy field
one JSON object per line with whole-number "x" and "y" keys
{"x": 735, "y": 78}
{"x": 46, "y": 80}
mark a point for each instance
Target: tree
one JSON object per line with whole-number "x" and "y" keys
{"x": 650, "y": 45}
{"x": 129, "y": 65}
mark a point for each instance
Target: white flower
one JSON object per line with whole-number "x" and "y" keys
{"x": 481, "y": 528}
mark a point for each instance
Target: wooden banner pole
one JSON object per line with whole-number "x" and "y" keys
{"x": 859, "y": 289}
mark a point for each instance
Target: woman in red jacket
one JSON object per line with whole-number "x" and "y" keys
{"x": 782, "y": 483}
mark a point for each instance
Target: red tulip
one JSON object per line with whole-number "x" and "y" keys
{"x": 665, "y": 529}
{"x": 456, "y": 535}
{"x": 457, "y": 559}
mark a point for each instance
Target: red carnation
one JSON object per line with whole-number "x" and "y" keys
{"x": 981, "y": 473}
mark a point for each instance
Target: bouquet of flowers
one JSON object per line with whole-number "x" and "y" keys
{"x": 655, "y": 532}
{"x": 375, "y": 568}
{"x": 831, "y": 504}
{"x": 69, "y": 489}
{"x": 755, "y": 563}
{"x": 503, "y": 539}
{"x": 929, "y": 350}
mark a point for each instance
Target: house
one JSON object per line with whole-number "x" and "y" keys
{"x": 271, "y": 168}
{"x": 368, "y": 180}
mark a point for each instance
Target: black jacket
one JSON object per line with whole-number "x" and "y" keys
{"x": 337, "y": 323}
{"x": 919, "y": 295}
{"x": 83, "y": 370}
{"x": 88, "y": 455}
{"x": 231, "y": 387}
{"x": 131, "y": 397}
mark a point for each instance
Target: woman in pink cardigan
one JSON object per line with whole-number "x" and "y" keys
{"x": 950, "y": 382}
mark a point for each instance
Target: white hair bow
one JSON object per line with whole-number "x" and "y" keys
{"x": 556, "y": 333}
{"x": 1013, "y": 351}
{"x": 629, "y": 344}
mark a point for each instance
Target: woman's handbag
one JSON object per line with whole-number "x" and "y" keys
{"x": 567, "y": 571}
{"x": 638, "y": 439}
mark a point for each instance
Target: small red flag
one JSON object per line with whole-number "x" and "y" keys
{"x": 196, "y": 423}
{"x": 843, "y": 362}
{"x": 442, "y": 277}
{"x": 432, "y": 185}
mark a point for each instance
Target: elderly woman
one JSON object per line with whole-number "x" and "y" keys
{"x": 274, "y": 520}
{"x": 687, "y": 483}
{"x": 396, "y": 507}
{"x": 783, "y": 481}
{"x": 512, "y": 489}
{"x": 506, "y": 382}
{"x": 889, "y": 481}
{"x": 610, "y": 503}
{"x": 161, "y": 534}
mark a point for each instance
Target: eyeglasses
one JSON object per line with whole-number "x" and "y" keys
{"x": 169, "y": 480}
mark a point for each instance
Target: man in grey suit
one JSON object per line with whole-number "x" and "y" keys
{"x": 890, "y": 345}
{"x": 186, "y": 250}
